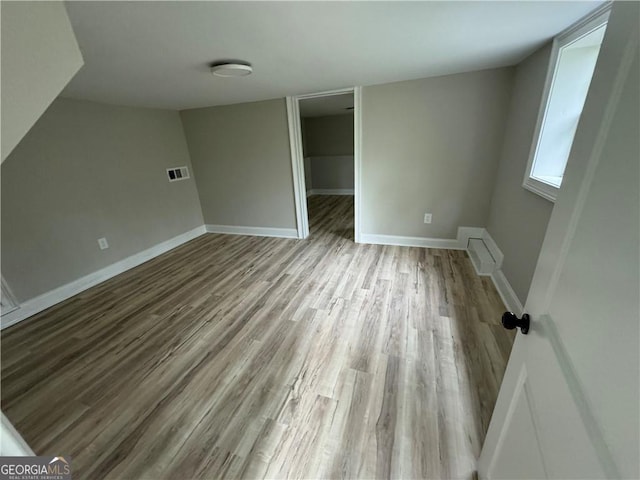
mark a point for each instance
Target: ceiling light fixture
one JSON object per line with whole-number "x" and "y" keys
{"x": 231, "y": 69}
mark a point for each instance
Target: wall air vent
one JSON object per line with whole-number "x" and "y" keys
{"x": 480, "y": 256}
{"x": 177, "y": 173}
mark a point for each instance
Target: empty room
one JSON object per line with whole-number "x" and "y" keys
{"x": 320, "y": 240}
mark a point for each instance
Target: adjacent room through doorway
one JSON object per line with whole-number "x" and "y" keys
{"x": 327, "y": 129}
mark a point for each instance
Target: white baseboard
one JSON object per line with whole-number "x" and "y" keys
{"x": 495, "y": 251}
{"x": 451, "y": 244}
{"x": 53, "y": 297}
{"x": 465, "y": 233}
{"x": 501, "y": 283}
{"x": 481, "y": 259}
{"x": 507, "y": 294}
{"x": 253, "y": 231}
{"x": 459, "y": 243}
{"x": 11, "y": 442}
{"x": 330, "y": 191}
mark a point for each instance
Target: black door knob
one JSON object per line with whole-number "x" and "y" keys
{"x": 511, "y": 321}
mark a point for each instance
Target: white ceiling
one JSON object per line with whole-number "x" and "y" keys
{"x": 329, "y": 105}
{"x": 156, "y": 54}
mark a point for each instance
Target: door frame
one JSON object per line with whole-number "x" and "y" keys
{"x": 297, "y": 156}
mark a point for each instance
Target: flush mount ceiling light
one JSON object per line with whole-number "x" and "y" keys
{"x": 229, "y": 69}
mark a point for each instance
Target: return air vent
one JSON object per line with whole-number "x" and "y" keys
{"x": 177, "y": 173}
{"x": 481, "y": 257}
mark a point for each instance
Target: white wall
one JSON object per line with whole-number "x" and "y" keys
{"x": 39, "y": 57}
{"x": 335, "y": 172}
{"x": 328, "y": 135}
{"x": 84, "y": 171}
{"x": 242, "y": 161}
{"x": 518, "y": 218}
{"x": 432, "y": 145}
{"x": 328, "y": 144}
{"x": 307, "y": 173}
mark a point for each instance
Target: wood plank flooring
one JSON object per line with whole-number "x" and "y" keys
{"x": 250, "y": 357}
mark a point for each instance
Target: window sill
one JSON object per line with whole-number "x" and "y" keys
{"x": 545, "y": 190}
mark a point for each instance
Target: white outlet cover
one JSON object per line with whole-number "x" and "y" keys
{"x": 427, "y": 218}
{"x": 103, "y": 243}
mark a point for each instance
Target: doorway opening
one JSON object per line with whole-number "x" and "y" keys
{"x": 324, "y": 133}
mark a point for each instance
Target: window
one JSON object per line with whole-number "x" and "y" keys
{"x": 573, "y": 61}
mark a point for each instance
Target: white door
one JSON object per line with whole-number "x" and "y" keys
{"x": 569, "y": 403}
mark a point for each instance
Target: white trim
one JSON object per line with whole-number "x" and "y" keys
{"x": 546, "y": 191}
{"x": 297, "y": 166}
{"x": 529, "y": 183}
{"x": 53, "y": 297}
{"x": 481, "y": 259}
{"x": 326, "y": 93}
{"x": 357, "y": 162}
{"x": 446, "y": 243}
{"x": 8, "y": 298}
{"x": 459, "y": 243}
{"x": 11, "y": 442}
{"x": 520, "y": 389}
{"x": 297, "y": 158}
{"x": 508, "y": 296}
{"x": 465, "y": 233}
{"x": 253, "y": 231}
{"x": 494, "y": 250}
{"x": 590, "y": 22}
{"x": 506, "y": 292}
{"x": 330, "y": 191}
{"x": 547, "y": 327}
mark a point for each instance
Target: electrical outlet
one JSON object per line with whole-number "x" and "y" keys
{"x": 103, "y": 243}
{"x": 427, "y": 218}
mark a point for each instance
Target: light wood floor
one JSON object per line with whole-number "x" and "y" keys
{"x": 256, "y": 357}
